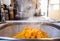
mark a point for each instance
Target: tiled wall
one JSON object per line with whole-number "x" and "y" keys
{"x": 27, "y": 7}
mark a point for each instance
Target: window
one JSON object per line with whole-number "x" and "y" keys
{"x": 54, "y": 1}
{"x": 51, "y": 5}
{"x": 54, "y": 5}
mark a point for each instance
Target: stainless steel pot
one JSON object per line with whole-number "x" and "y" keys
{"x": 13, "y": 28}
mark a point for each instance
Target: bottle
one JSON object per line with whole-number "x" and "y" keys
{"x": 11, "y": 12}
{"x": 0, "y": 12}
{"x": 2, "y": 16}
{"x": 6, "y": 12}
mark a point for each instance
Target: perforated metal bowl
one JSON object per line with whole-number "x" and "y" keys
{"x": 10, "y": 29}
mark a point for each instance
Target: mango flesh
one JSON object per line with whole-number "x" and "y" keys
{"x": 30, "y": 32}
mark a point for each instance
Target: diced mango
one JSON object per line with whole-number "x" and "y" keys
{"x": 30, "y": 32}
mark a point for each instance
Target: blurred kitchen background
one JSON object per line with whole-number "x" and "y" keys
{"x": 30, "y": 9}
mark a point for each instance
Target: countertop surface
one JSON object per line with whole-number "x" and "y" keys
{"x": 33, "y": 19}
{"x": 7, "y": 22}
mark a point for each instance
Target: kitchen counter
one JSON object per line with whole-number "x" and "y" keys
{"x": 8, "y": 22}
{"x": 33, "y": 19}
